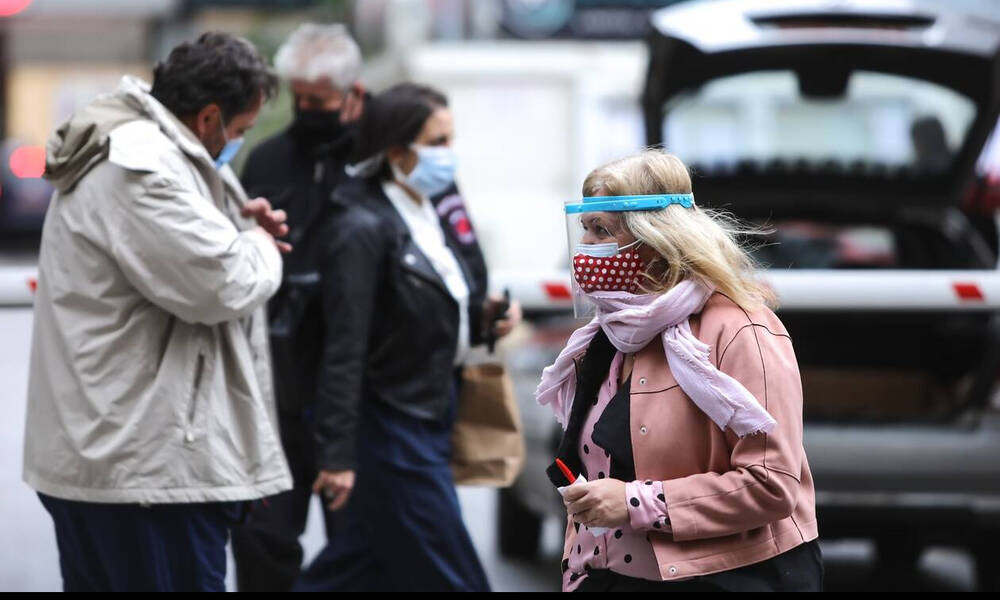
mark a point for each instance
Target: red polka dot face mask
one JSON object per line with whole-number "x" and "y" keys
{"x": 597, "y": 271}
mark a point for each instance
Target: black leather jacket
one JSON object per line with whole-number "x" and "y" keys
{"x": 389, "y": 324}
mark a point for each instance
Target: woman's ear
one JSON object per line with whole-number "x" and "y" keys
{"x": 647, "y": 253}
{"x": 403, "y": 158}
{"x": 393, "y": 153}
{"x": 656, "y": 265}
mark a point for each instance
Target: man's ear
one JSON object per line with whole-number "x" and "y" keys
{"x": 207, "y": 119}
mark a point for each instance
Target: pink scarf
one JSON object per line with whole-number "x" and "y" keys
{"x": 631, "y": 321}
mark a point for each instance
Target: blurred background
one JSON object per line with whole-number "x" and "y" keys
{"x": 863, "y": 133}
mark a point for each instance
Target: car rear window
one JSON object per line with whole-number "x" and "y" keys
{"x": 880, "y": 122}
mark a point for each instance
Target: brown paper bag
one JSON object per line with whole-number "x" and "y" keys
{"x": 487, "y": 441}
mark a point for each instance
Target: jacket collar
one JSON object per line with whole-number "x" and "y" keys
{"x": 412, "y": 258}
{"x": 138, "y": 91}
{"x": 222, "y": 182}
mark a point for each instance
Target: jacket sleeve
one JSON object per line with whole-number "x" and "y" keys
{"x": 763, "y": 483}
{"x": 467, "y": 250}
{"x": 647, "y": 507}
{"x": 184, "y": 255}
{"x": 351, "y": 270}
{"x": 478, "y": 334}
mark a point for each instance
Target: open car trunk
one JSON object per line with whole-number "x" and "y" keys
{"x": 852, "y": 130}
{"x": 864, "y": 107}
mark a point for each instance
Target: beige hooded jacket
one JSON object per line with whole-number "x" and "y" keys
{"x": 150, "y": 375}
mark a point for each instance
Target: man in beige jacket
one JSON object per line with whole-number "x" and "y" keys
{"x": 150, "y": 406}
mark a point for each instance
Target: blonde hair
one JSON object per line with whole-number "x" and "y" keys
{"x": 692, "y": 243}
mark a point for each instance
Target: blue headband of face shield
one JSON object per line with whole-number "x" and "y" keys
{"x": 627, "y": 203}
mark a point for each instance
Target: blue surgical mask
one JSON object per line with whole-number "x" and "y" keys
{"x": 230, "y": 150}
{"x": 602, "y": 250}
{"x": 435, "y": 170}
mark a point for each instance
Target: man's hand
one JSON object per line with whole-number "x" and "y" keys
{"x": 599, "y": 503}
{"x": 336, "y": 487}
{"x": 354, "y": 104}
{"x": 271, "y": 221}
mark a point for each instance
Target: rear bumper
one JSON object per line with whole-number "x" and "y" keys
{"x": 935, "y": 520}
{"x": 907, "y": 466}
{"x": 937, "y": 484}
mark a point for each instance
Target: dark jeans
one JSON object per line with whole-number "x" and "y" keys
{"x": 403, "y": 528}
{"x": 127, "y": 547}
{"x": 266, "y": 548}
{"x": 797, "y": 570}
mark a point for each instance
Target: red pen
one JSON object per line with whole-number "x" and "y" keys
{"x": 565, "y": 471}
{"x": 574, "y": 479}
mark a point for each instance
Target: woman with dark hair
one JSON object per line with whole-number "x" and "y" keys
{"x": 401, "y": 308}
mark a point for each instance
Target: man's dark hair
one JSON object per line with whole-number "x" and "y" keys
{"x": 216, "y": 69}
{"x": 395, "y": 118}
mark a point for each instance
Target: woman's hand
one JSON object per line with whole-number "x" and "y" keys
{"x": 598, "y": 503}
{"x": 512, "y": 319}
{"x": 507, "y": 322}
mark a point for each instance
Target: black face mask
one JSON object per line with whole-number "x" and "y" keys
{"x": 316, "y": 127}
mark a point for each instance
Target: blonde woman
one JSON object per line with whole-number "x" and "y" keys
{"x": 681, "y": 400}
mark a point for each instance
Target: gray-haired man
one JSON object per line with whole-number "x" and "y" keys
{"x": 297, "y": 170}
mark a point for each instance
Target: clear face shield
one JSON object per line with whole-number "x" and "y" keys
{"x": 603, "y": 254}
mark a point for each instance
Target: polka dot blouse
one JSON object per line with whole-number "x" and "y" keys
{"x": 626, "y": 549}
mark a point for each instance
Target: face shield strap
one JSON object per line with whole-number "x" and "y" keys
{"x": 628, "y": 203}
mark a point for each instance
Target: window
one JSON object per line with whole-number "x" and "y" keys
{"x": 881, "y": 121}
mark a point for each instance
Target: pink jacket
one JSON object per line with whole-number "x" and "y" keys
{"x": 731, "y": 501}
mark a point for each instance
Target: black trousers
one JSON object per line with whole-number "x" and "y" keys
{"x": 797, "y": 570}
{"x": 266, "y": 547}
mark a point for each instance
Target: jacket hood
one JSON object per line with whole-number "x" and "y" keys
{"x": 83, "y": 141}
